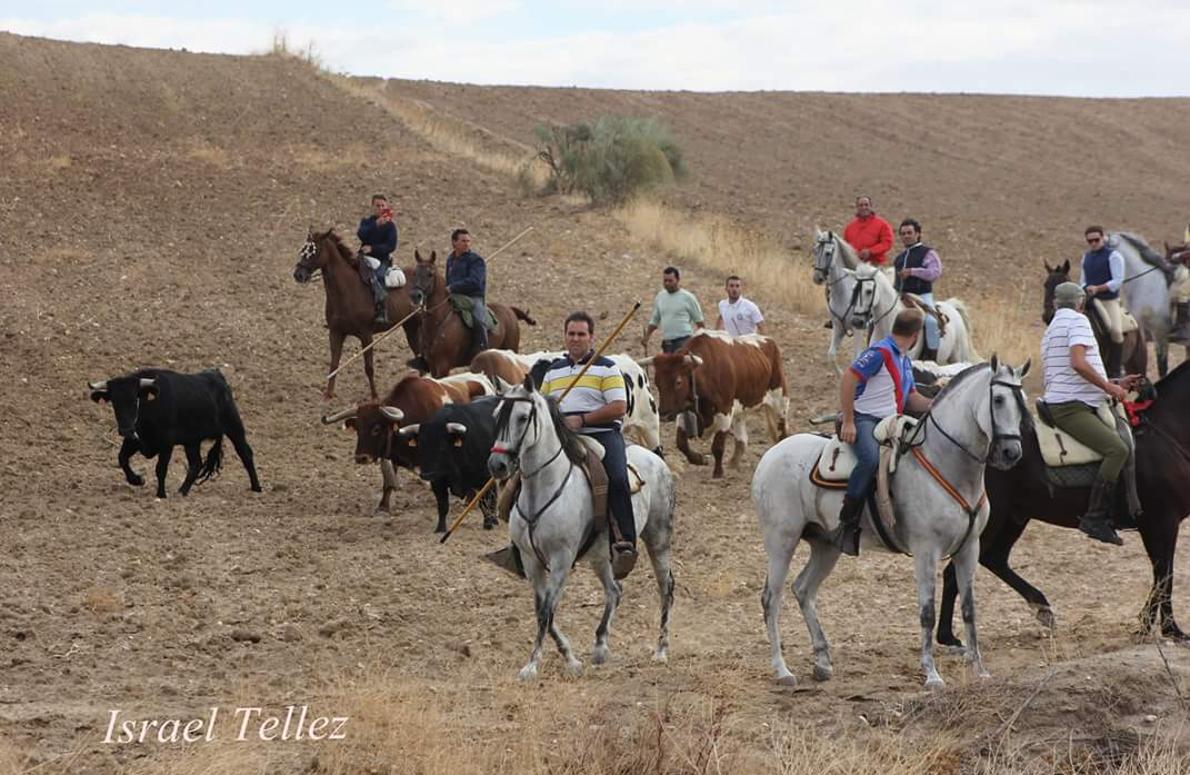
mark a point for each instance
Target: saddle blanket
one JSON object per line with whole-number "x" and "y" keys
{"x": 838, "y": 459}
{"x": 1059, "y": 449}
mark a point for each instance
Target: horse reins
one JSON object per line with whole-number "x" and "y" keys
{"x": 915, "y": 448}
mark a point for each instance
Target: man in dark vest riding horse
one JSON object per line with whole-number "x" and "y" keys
{"x": 917, "y": 269}
{"x": 466, "y": 275}
{"x": 1102, "y": 277}
{"x": 378, "y": 239}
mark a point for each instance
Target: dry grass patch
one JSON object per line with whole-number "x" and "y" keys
{"x": 452, "y": 136}
{"x": 211, "y": 154}
{"x": 715, "y": 243}
{"x": 102, "y": 600}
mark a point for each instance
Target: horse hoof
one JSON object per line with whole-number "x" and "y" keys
{"x": 934, "y": 684}
{"x": 600, "y": 654}
{"x": 1045, "y": 615}
{"x": 136, "y": 480}
{"x": 660, "y": 656}
{"x": 573, "y": 669}
{"x": 528, "y": 673}
{"x": 955, "y": 650}
{"x": 983, "y": 675}
{"x": 787, "y": 680}
{"x": 823, "y": 672}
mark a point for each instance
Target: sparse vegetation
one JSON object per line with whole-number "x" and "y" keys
{"x": 772, "y": 273}
{"x": 281, "y": 47}
{"x": 610, "y": 159}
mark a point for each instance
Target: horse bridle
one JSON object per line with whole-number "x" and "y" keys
{"x": 514, "y": 452}
{"x": 1018, "y": 393}
{"x": 852, "y": 308}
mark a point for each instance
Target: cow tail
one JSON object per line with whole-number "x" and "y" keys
{"x": 213, "y": 463}
{"x": 523, "y": 315}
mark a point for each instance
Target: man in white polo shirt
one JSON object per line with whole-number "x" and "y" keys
{"x": 1075, "y": 386}
{"x": 737, "y": 315}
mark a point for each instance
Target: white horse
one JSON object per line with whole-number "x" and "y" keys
{"x": 1146, "y": 291}
{"x": 552, "y": 524}
{"x": 876, "y": 305}
{"x": 974, "y": 422}
{"x": 834, "y": 262}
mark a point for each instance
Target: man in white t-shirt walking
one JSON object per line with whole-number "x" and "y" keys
{"x": 737, "y": 315}
{"x": 1076, "y": 384}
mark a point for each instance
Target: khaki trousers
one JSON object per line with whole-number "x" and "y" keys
{"x": 1109, "y": 311}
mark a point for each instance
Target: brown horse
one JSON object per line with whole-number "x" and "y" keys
{"x": 1024, "y": 493}
{"x": 349, "y": 306}
{"x": 445, "y": 340}
{"x": 1134, "y": 358}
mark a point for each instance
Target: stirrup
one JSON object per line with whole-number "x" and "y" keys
{"x": 1100, "y": 530}
{"x": 623, "y": 559}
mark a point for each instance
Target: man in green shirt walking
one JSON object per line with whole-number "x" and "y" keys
{"x": 675, "y": 311}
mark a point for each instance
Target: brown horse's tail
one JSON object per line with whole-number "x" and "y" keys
{"x": 522, "y": 315}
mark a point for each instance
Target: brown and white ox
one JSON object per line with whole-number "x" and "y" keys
{"x": 413, "y": 400}
{"x": 712, "y": 381}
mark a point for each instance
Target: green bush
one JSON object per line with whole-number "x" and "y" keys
{"x": 609, "y": 159}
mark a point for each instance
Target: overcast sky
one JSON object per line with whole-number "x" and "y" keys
{"x": 1084, "y": 48}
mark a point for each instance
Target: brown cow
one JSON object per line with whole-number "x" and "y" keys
{"x": 414, "y": 399}
{"x": 716, "y": 377}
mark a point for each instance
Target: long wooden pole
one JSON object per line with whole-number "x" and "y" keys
{"x": 402, "y": 321}
{"x": 488, "y": 485}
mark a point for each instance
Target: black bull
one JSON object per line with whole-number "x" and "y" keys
{"x": 1163, "y": 481}
{"x": 453, "y": 448}
{"x": 157, "y": 410}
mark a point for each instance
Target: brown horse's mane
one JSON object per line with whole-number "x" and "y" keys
{"x": 337, "y": 243}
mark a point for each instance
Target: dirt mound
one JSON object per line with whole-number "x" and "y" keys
{"x": 153, "y": 204}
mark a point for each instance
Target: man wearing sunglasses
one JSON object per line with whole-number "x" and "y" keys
{"x": 1102, "y": 276}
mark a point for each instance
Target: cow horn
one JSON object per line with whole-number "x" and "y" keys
{"x": 645, "y": 361}
{"x": 456, "y": 427}
{"x": 409, "y": 430}
{"x": 392, "y": 413}
{"x": 145, "y": 382}
{"x": 344, "y": 414}
{"x": 694, "y": 359}
{"x": 98, "y": 385}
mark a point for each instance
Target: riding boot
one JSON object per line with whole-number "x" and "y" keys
{"x": 1114, "y": 354}
{"x": 509, "y": 559}
{"x": 624, "y": 550}
{"x": 1096, "y": 522}
{"x": 1182, "y": 332}
{"x": 381, "y": 318}
{"x": 380, "y": 298}
{"x": 1131, "y": 510}
{"x": 846, "y": 535}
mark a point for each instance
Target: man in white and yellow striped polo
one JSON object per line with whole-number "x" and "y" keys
{"x": 595, "y": 407}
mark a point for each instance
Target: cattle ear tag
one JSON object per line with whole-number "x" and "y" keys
{"x": 413, "y": 442}
{"x": 458, "y": 441}
{"x": 150, "y": 396}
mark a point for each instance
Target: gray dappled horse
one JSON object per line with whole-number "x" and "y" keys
{"x": 877, "y": 305}
{"x": 974, "y": 422}
{"x": 1145, "y": 292}
{"x": 552, "y": 522}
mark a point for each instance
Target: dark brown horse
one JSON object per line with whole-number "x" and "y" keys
{"x": 445, "y": 341}
{"x": 1024, "y": 493}
{"x": 349, "y": 306}
{"x": 1134, "y": 358}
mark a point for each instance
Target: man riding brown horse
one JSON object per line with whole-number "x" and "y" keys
{"x": 378, "y": 239}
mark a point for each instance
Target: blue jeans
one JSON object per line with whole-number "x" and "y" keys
{"x": 673, "y": 345}
{"x": 867, "y": 453}
{"x": 931, "y": 322}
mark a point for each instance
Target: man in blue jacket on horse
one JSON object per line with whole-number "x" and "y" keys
{"x": 466, "y": 275}
{"x": 378, "y": 239}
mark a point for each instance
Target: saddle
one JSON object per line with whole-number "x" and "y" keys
{"x": 1059, "y": 449}
{"x": 914, "y": 301}
{"x": 593, "y": 469}
{"x": 838, "y": 459}
{"x": 1128, "y": 323}
{"x": 464, "y": 306}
